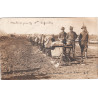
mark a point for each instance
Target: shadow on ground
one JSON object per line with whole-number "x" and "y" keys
{"x": 28, "y": 77}
{"x": 25, "y": 77}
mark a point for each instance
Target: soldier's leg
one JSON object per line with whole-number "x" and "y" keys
{"x": 86, "y": 55}
{"x": 41, "y": 47}
{"x": 85, "y": 51}
{"x": 82, "y": 49}
{"x": 73, "y": 51}
{"x": 49, "y": 52}
{"x": 61, "y": 59}
{"x": 69, "y": 52}
{"x": 81, "y": 56}
{"x": 64, "y": 51}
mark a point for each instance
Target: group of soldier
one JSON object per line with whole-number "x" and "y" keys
{"x": 67, "y": 39}
{"x": 70, "y": 37}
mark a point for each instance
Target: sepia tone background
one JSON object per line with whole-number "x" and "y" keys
{"x": 29, "y": 63}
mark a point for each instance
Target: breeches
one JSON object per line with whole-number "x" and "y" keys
{"x": 84, "y": 48}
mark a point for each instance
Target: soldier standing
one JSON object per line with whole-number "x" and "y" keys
{"x": 62, "y": 36}
{"x": 83, "y": 41}
{"x": 71, "y": 37}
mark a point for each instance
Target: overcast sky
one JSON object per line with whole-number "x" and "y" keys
{"x": 47, "y": 25}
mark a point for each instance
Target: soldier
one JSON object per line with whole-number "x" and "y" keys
{"x": 42, "y": 42}
{"x": 83, "y": 41}
{"x": 62, "y": 36}
{"x": 71, "y": 37}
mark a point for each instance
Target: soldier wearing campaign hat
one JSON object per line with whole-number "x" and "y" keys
{"x": 83, "y": 41}
{"x": 71, "y": 37}
{"x": 62, "y": 36}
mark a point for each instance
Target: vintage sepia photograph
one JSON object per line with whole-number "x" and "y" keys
{"x": 48, "y": 48}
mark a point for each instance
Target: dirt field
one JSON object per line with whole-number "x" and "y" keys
{"x": 22, "y": 61}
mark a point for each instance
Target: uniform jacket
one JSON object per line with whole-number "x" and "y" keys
{"x": 83, "y": 38}
{"x": 71, "y": 36}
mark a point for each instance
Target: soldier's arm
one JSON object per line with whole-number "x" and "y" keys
{"x": 76, "y": 35}
{"x": 87, "y": 37}
{"x": 67, "y": 35}
{"x": 80, "y": 37}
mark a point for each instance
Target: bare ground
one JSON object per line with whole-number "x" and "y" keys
{"x": 20, "y": 60}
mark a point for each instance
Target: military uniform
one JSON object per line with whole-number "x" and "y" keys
{"x": 62, "y": 36}
{"x": 83, "y": 41}
{"x": 71, "y": 36}
{"x": 42, "y": 42}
